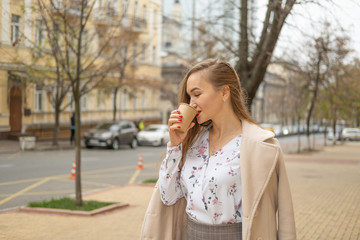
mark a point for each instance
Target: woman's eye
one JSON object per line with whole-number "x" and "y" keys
{"x": 197, "y": 94}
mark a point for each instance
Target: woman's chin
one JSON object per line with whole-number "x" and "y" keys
{"x": 200, "y": 120}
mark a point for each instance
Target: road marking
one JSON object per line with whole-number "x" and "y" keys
{"x": 6, "y": 165}
{"x": 87, "y": 174}
{"x": 70, "y": 191}
{"x": 65, "y": 176}
{"x": 13, "y": 155}
{"x": 134, "y": 176}
{"x": 31, "y": 180}
{"x": 24, "y": 190}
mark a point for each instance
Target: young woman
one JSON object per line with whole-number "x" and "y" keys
{"x": 224, "y": 178}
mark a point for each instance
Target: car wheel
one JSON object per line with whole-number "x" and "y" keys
{"x": 115, "y": 144}
{"x": 133, "y": 143}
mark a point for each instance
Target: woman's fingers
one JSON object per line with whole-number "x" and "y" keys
{"x": 175, "y": 117}
{"x": 192, "y": 124}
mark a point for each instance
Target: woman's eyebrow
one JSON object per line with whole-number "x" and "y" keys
{"x": 195, "y": 88}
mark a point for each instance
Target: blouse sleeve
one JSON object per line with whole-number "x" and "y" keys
{"x": 169, "y": 176}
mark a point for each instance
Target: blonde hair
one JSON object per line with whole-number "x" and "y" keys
{"x": 219, "y": 73}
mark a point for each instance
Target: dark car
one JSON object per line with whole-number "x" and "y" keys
{"x": 112, "y": 135}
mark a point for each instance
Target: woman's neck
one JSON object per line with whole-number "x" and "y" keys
{"x": 225, "y": 125}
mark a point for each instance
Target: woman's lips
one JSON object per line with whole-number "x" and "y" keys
{"x": 198, "y": 114}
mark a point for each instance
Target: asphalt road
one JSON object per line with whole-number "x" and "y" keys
{"x": 37, "y": 175}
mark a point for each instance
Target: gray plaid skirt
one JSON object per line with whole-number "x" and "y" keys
{"x": 198, "y": 231}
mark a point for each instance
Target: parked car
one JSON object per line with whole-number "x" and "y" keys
{"x": 111, "y": 135}
{"x": 154, "y": 134}
{"x": 330, "y": 134}
{"x": 352, "y": 134}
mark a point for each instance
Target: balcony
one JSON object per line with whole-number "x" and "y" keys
{"x": 105, "y": 16}
{"x": 134, "y": 24}
{"x": 72, "y": 8}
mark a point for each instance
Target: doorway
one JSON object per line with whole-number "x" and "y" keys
{"x": 15, "y": 110}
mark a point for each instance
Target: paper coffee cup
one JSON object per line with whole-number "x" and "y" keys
{"x": 188, "y": 112}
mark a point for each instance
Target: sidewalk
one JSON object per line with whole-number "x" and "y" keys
{"x": 325, "y": 187}
{"x": 10, "y": 146}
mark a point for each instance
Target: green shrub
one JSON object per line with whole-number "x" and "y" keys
{"x": 70, "y": 204}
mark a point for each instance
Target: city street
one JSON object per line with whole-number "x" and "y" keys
{"x": 36, "y": 175}
{"x": 325, "y": 188}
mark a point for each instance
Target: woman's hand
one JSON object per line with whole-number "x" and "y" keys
{"x": 176, "y": 137}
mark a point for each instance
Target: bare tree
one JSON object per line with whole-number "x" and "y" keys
{"x": 83, "y": 64}
{"x": 335, "y": 78}
{"x": 51, "y": 77}
{"x": 325, "y": 55}
{"x": 125, "y": 63}
{"x": 252, "y": 55}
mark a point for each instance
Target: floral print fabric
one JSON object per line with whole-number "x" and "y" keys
{"x": 210, "y": 184}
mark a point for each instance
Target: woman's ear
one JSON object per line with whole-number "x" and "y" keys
{"x": 225, "y": 92}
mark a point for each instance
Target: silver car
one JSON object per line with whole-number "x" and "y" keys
{"x": 112, "y": 135}
{"x": 154, "y": 134}
{"x": 352, "y": 134}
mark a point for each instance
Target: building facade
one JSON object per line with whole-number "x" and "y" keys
{"x": 25, "y": 101}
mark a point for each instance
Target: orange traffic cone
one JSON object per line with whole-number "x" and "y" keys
{"x": 72, "y": 175}
{"x": 140, "y": 162}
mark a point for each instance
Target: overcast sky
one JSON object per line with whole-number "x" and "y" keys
{"x": 344, "y": 13}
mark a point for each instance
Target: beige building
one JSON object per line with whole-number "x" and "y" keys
{"x": 25, "y": 104}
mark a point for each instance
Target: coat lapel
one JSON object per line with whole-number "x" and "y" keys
{"x": 257, "y": 161}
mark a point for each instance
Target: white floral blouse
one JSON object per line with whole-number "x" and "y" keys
{"x": 211, "y": 185}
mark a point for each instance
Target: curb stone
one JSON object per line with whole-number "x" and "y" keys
{"x": 74, "y": 212}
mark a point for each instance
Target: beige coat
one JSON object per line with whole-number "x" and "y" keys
{"x": 267, "y": 209}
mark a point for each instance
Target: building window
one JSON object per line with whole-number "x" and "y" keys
{"x": 143, "y": 100}
{"x": 57, "y": 4}
{"x": 155, "y": 19}
{"x": 134, "y": 51}
{"x": 144, "y": 13}
{"x": 124, "y": 52}
{"x": 85, "y": 41}
{"x": 70, "y": 102}
{"x": 154, "y": 55}
{"x": 83, "y": 102}
{"x": 134, "y": 101}
{"x": 124, "y": 6}
{"x": 143, "y": 52}
{"x": 99, "y": 99}
{"x": 52, "y": 99}
{"x": 39, "y": 32}
{"x": 15, "y": 27}
{"x": 124, "y": 99}
{"x": 39, "y": 99}
{"x": 135, "y": 9}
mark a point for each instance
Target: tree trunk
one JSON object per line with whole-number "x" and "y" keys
{"x": 313, "y": 100}
{"x": 334, "y": 130}
{"x": 326, "y": 129}
{"x": 299, "y": 135}
{"x": 57, "y": 126}
{"x": 252, "y": 72}
{"x": 78, "y": 151}
{"x": 115, "y": 103}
